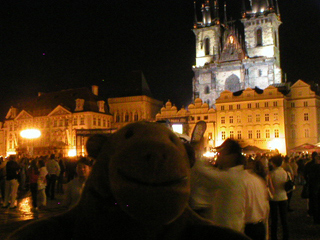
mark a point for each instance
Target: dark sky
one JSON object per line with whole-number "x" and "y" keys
{"x": 53, "y": 45}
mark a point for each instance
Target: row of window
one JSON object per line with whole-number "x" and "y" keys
{"x": 293, "y": 104}
{"x": 249, "y": 118}
{"x": 238, "y": 134}
{"x": 250, "y": 105}
{"x": 126, "y": 118}
{"x": 62, "y": 122}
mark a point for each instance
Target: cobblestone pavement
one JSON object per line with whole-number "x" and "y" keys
{"x": 301, "y": 226}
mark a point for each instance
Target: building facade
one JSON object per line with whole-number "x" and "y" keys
{"x": 67, "y": 118}
{"x": 227, "y": 59}
{"x": 279, "y": 118}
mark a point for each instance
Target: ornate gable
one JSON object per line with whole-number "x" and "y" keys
{"x": 232, "y": 50}
{"x": 59, "y": 110}
{"x": 24, "y": 115}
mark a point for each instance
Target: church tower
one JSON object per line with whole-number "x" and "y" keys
{"x": 228, "y": 60}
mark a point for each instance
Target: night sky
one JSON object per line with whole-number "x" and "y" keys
{"x": 53, "y": 45}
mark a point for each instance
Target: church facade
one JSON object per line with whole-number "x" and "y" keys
{"x": 228, "y": 59}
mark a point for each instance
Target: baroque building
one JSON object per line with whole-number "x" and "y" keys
{"x": 281, "y": 117}
{"x": 230, "y": 59}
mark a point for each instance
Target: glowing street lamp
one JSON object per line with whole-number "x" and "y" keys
{"x": 31, "y": 134}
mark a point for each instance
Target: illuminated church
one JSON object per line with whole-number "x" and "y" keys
{"x": 230, "y": 59}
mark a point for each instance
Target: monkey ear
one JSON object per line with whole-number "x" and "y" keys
{"x": 191, "y": 153}
{"x": 95, "y": 143}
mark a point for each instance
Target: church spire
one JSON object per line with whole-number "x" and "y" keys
{"x": 277, "y": 9}
{"x": 216, "y": 12}
{"x": 225, "y": 14}
{"x": 195, "y": 23}
{"x": 208, "y": 12}
{"x": 243, "y": 9}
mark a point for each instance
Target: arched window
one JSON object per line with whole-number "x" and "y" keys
{"x": 207, "y": 46}
{"x": 259, "y": 37}
{"x": 206, "y": 90}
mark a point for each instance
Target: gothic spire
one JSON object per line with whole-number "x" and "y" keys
{"x": 225, "y": 14}
{"x": 216, "y": 12}
{"x": 195, "y": 23}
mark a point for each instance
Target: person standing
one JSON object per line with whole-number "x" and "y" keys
{"x": 239, "y": 198}
{"x": 53, "y": 169}
{"x": 307, "y": 171}
{"x": 74, "y": 187}
{"x": 33, "y": 174}
{"x": 12, "y": 184}
{"x": 42, "y": 183}
{"x": 279, "y": 200}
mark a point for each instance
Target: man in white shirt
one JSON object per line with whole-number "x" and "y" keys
{"x": 53, "y": 169}
{"x": 238, "y": 196}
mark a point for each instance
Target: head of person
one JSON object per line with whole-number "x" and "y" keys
{"x": 52, "y": 156}
{"x": 41, "y": 163}
{"x": 276, "y": 160}
{"x": 313, "y": 156}
{"x": 230, "y": 154}
{"x": 83, "y": 167}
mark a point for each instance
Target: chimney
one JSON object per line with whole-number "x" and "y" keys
{"x": 95, "y": 89}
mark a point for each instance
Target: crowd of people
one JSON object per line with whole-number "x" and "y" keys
{"x": 248, "y": 194}
{"x": 244, "y": 193}
{"x": 44, "y": 177}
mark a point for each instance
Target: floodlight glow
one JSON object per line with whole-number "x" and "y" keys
{"x": 30, "y": 133}
{"x": 72, "y": 153}
{"x": 177, "y": 128}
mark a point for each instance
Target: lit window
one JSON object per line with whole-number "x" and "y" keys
{"x": 258, "y": 118}
{"x": 75, "y": 121}
{"x": 223, "y": 120}
{"x": 239, "y": 134}
{"x": 222, "y": 108}
{"x": 266, "y": 117}
{"x": 266, "y": 104}
{"x": 231, "y": 119}
{"x": 275, "y": 117}
{"x": 94, "y": 121}
{"x": 249, "y": 105}
{"x": 99, "y": 122}
{"x": 231, "y": 134}
{"x": 230, "y": 107}
{"x": 249, "y": 118}
{"x": 223, "y": 135}
{"x": 275, "y": 104}
{"x": 258, "y": 134}
{"x": 238, "y": 106}
{"x": 250, "y": 134}
{"x": 267, "y": 133}
{"x": 306, "y": 117}
{"x": 305, "y": 104}
{"x": 257, "y": 105}
{"x": 81, "y": 120}
{"x": 104, "y": 123}
{"x": 205, "y": 118}
{"x": 276, "y": 133}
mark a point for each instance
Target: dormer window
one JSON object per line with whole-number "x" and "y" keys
{"x": 101, "y": 106}
{"x": 79, "y": 104}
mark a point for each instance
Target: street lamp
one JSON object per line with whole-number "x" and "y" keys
{"x": 31, "y": 134}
